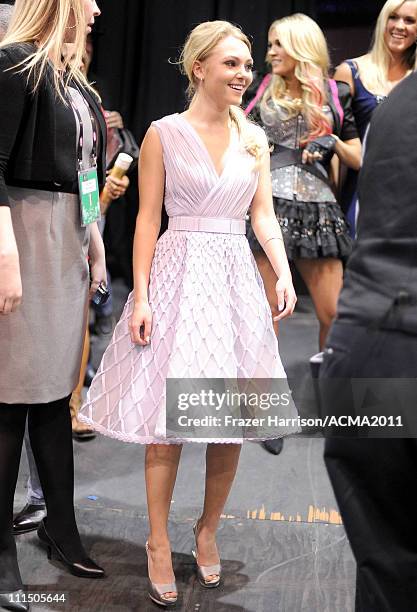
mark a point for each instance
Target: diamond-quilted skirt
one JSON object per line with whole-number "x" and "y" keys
{"x": 210, "y": 319}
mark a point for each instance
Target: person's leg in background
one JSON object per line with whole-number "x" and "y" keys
{"x": 324, "y": 280}
{"x": 35, "y": 493}
{"x": 81, "y": 431}
{"x": 30, "y": 517}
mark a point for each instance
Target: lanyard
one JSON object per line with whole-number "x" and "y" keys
{"x": 93, "y": 154}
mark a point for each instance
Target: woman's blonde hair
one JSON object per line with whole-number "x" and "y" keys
{"x": 302, "y": 39}
{"x": 45, "y": 23}
{"x": 374, "y": 67}
{"x": 200, "y": 43}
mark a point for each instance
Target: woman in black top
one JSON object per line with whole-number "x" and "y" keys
{"x": 52, "y": 138}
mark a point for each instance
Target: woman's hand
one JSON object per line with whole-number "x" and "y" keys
{"x": 98, "y": 274}
{"x": 311, "y": 158}
{"x": 140, "y": 323}
{"x": 115, "y": 187}
{"x": 10, "y": 281}
{"x": 97, "y": 260}
{"x": 287, "y": 298}
{"x": 320, "y": 149}
{"x": 114, "y": 120}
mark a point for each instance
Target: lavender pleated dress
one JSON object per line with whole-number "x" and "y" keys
{"x": 211, "y": 317}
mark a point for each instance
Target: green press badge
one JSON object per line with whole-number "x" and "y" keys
{"x": 89, "y": 196}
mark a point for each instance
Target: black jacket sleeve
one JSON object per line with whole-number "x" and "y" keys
{"x": 13, "y": 95}
{"x": 349, "y": 130}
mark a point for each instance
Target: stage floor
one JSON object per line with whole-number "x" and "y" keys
{"x": 282, "y": 544}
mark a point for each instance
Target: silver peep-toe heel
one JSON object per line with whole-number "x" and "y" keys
{"x": 204, "y": 571}
{"x": 157, "y": 591}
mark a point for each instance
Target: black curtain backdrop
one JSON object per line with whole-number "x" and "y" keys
{"x": 136, "y": 38}
{"x": 133, "y": 43}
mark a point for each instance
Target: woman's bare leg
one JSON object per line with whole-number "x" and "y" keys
{"x": 221, "y": 465}
{"x": 161, "y": 466}
{"x": 324, "y": 280}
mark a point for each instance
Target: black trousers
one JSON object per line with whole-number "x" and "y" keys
{"x": 51, "y": 440}
{"x": 375, "y": 480}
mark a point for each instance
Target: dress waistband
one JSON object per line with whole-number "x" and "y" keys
{"x": 216, "y": 225}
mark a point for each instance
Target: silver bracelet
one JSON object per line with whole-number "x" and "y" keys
{"x": 273, "y": 238}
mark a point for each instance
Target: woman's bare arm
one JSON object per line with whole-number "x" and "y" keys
{"x": 148, "y": 224}
{"x": 344, "y": 73}
{"x": 268, "y": 233}
{"x": 349, "y": 152}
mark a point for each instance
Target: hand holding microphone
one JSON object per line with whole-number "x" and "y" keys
{"x": 116, "y": 182}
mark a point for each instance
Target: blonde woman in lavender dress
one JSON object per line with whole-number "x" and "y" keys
{"x": 198, "y": 308}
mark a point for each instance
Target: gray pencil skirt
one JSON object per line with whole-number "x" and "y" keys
{"x": 41, "y": 343}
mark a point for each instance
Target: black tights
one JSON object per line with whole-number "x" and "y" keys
{"x": 51, "y": 440}
{"x": 12, "y": 428}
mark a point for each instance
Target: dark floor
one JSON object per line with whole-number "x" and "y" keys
{"x": 282, "y": 544}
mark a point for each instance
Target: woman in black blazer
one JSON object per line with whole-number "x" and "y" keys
{"x": 52, "y": 139}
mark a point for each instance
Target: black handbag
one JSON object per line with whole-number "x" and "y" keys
{"x": 121, "y": 141}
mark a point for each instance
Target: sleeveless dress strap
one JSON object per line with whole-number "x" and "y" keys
{"x": 355, "y": 71}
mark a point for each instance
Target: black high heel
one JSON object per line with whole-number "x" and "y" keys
{"x": 85, "y": 568}
{"x": 15, "y": 601}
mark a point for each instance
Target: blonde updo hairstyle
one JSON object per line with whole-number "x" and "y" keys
{"x": 200, "y": 43}
{"x": 374, "y": 67}
{"x": 45, "y": 23}
{"x": 303, "y": 40}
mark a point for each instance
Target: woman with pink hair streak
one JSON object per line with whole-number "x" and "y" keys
{"x": 307, "y": 118}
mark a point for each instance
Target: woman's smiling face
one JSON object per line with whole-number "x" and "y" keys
{"x": 282, "y": 64}
{"x": 226, "y": 73}
{"x": 401, "y": 28}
